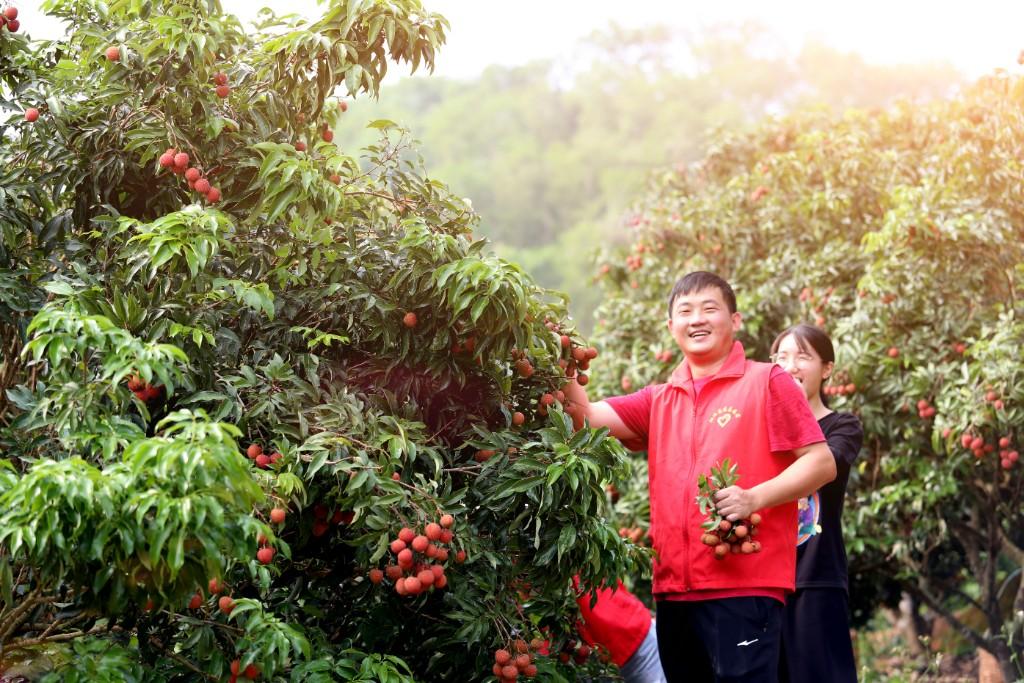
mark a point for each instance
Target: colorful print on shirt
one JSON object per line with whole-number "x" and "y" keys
{"x": 808, "y": 512}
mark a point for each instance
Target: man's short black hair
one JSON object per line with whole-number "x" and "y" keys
{"x": 698, "y": 280}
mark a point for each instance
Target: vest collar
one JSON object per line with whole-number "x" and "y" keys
{"x": 735, "y": 366}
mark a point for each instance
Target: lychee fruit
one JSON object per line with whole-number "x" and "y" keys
{"x": 226, "y": 604}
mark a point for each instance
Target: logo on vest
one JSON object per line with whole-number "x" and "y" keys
{"x": 724, "y": 416}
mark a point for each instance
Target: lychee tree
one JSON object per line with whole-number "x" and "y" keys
{"x": 900, "y": 232}
{"x": 268, "y": 409}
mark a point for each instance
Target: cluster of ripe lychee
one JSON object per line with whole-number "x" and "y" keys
{"x": 580, "y": 652}
{"x": 323, "y": 519}
{"x": 419, "y": 558}
{"x": 925, "y": 410}
{"x": 225, "y": 604}
{"x": 177, "y": 163}
{"x": 725, "y": 537}
{"x": 575, "y": 358}
{"x": 255, "y": 453}
{"x": 547, "y": 399}
{"x": 326, "y": 134}
{"x": 664, "y": 356}
{"x": 516, "y": 659}
{"x": 759, "y": 192}
{"x": 977, "y": 445}
{"x": 251, "y": 672}
{"x": 265, "y": 553}
{"x": 721, "y": 535}
{"x": 143, "y": 390}
{"x": 840, "y": 389}
{"x": 9, "y": 19}
{"x": 220, "y": 80}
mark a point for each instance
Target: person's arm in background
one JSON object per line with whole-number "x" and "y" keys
{"x": 598, "y": 414}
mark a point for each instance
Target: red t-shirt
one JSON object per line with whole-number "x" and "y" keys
{"x": 790, "y": 426}
{"x": 618, "y": 621}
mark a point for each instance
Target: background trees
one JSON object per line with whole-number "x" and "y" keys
{"x": 899, "y": 232}
{"x": 573, "y": 141}
{"x": 213, "y": 316}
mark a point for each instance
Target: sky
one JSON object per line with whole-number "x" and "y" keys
{"x": 975, "y": 36}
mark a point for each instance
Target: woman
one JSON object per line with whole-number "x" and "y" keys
{"x": 816, "y": 643}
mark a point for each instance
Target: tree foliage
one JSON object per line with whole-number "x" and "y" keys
{"x": 330, "y": 308}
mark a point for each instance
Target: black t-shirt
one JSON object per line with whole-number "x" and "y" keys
{"x": 821, "y": 558}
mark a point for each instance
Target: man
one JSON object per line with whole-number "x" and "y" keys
{"x": 718, "y": 619}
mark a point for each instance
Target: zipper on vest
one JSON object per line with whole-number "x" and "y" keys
{"x": 689, "y": 478}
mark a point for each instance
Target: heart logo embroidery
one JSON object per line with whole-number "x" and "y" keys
{"x": 723, "y": 419}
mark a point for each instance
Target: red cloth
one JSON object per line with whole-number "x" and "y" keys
{"x": 755, "y": 415}
{"x": 618, "y": 621}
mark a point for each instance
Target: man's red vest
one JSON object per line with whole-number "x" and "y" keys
{"x": 687, "y": 436}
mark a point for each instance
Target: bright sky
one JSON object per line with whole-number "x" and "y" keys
{"x": 974, "y": 36}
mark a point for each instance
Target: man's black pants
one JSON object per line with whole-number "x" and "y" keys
{"x": 730, "y": 639}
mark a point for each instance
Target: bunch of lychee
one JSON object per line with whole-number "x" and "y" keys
{"x": 576, "y": 652}
{"x": 9, "y": 19}
{"x": 143, "y": 390}
{"x": 255, "y": 453}
{"x": 178, "y": 163}
{"x": 523, "y": 366}
{"x": 265, "y": 553}
{"x": 574, "y": 358}
{"x": 992, "y": 397}
{"x": 664, "y": 356}
{"x": 548, "y": 399}
{"x": 251, "y": 672}
{"x": 323, "y": 519}
{"x": 925, "y": 410}
{"x": 220, "y": 80}
{"x": 516, "y": 659}
{"x": 725, "y": 537}
{"x": 840, "y": 389}
{"x": 1007, "y": 457}
{"x": 759, "y": 192}
{"x": 977, "y": 445}
{"x": 226, "y": 604}
{"x": 420, "y": 558}
{"x": 468, "y": 346}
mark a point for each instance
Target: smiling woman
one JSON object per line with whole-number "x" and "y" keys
{"x": 816, "y": 617}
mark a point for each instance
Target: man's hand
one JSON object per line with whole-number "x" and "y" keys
{"x": 599, "y": 413}
{"x": 735, "y": 503}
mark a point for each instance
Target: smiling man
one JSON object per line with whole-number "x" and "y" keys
{"x": 718, "y": 620}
